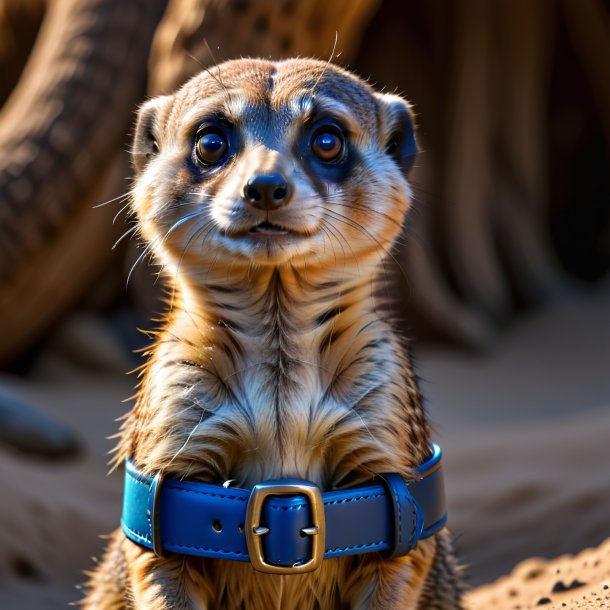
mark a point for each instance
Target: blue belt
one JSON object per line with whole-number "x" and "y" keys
{"x": 286, "y": 526}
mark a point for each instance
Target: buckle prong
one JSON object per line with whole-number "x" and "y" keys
{"x": 254, "y": 530}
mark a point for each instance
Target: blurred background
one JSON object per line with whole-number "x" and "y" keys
{"x": 502, "y": 279}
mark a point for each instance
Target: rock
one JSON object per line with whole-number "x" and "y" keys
{"x": 25, "y": 428}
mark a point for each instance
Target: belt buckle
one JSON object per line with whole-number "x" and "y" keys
{"x": 254, "y": 531}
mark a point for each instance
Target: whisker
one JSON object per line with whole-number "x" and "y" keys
{"x": 332, "y": 53}
{"x": 350, "y": 222}
{"x": 368, "y": 210}
{"x": 114, "y": 219}
{"x": 191, "y": 56}
{"x": 179, "y": 223}
{"x": 209, "y": 223}
{"x": 128, "y": 232}
{"x": 341, "y": 239}
{"x": 190, "y": 239}
{"x": 356, "y": 225}
{"x": 117, "y": 198}
{"x": 147, "y": 249}
{"x": 216, "y": 256}
{"x": 207, "y": 46}
{"x": 159, "y": 241}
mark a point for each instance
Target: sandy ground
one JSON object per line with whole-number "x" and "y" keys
{"x": 568, "y": 582}
{"x": 525, "y": 430}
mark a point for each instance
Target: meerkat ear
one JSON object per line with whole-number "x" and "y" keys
{"x": 397, "y": 131}
{"x": 147, "y": 139}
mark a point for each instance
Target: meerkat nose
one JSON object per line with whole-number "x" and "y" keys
{"x": 267, "y": 191}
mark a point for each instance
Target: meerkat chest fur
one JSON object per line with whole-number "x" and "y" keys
{"x": 271, "y": 194}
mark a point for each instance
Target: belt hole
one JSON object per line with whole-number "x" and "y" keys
{"x": 217, "y": 525}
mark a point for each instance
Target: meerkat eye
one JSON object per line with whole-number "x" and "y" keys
{"x": 392, "y": 148}
{"x": 211, "y": 145}
{"x": 327, "y": 143}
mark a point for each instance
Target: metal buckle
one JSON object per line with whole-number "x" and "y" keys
{"x": 255, "y": 532}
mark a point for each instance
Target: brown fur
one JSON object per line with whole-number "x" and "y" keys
{"x": 274, "y": 359}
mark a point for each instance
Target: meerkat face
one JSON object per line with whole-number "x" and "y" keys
{"x": 262, "y": 163}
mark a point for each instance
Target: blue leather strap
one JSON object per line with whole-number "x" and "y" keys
{"x": 196, "y": 518}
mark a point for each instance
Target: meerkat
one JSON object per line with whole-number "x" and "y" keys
{"x": 270, "y": 193}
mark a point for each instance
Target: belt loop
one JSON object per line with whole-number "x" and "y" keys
{"x": 155, "y": 520}
{"x": 408, "y": 517}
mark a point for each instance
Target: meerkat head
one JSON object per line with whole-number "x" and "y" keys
{"x": 272, "y": 163}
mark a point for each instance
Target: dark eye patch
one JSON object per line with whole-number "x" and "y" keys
{"x": 326, "y": 153}
{"x": 401, "y": 145}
